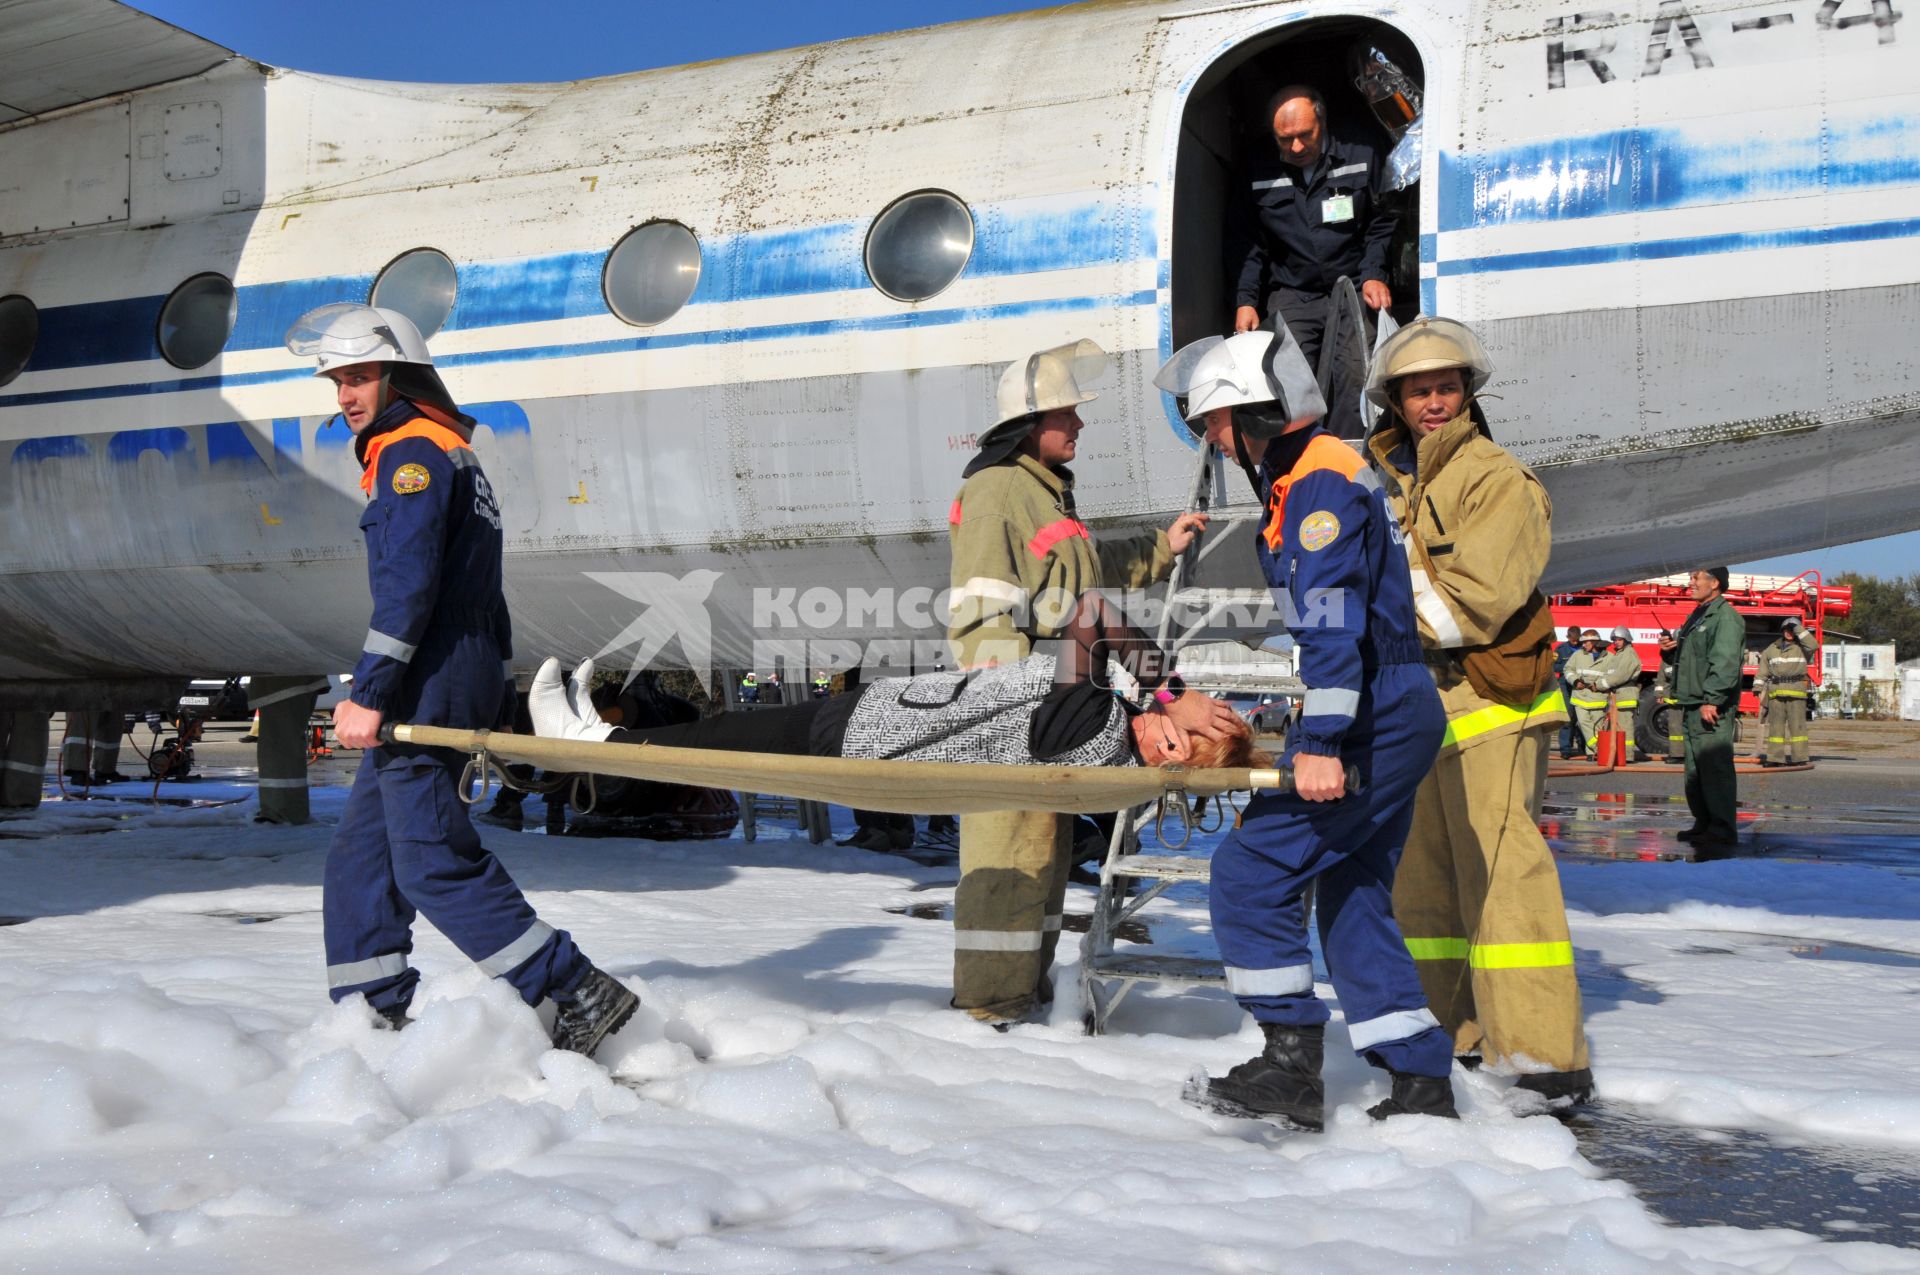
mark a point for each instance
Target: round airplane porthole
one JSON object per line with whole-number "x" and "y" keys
{"x": 919, "y": 245}
{"x": 197, "y": 320}
{"x": 421, "y": 285}
{"x": 19, "y": 333}
{"x": 651, "y": 273}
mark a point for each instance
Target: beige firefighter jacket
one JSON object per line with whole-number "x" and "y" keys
{"x": 1022, "y": 557}
{"x": 1581, "y": 661}
{"x": 1783, "y": 667}
{"x": 1482, "y": 523}
{"x": 1615, "y": 671}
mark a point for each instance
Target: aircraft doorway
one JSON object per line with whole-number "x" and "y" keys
{"x": 1225, "y": 132}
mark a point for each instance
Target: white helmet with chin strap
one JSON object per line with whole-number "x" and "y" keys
{"x": 343, "y": 333}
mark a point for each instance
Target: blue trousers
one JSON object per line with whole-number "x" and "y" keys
{"x": 1350, "y": 847}
{"x": 405, "y": 845}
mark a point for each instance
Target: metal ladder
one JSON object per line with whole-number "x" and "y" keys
{"x": 1129, "y": 879}
{"x": 810, "y": 816}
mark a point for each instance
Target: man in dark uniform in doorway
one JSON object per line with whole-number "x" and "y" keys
{"x": 1308, "y": 212}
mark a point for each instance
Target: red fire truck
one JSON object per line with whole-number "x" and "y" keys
{"x": 1649, "y": 609}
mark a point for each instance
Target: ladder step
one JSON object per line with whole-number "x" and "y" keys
{"x": 1167, "y": 867}
{"x": 1194, "y": 970}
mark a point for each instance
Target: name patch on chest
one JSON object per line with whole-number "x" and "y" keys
{"x": 411, "y": 478}
{"x": 1318, "y": 530}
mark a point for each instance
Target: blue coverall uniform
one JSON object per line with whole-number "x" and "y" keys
{"x": 1335, "y": 550}
{"x": 436, "y": 654}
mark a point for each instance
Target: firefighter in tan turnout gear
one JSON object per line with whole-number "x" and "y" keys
{"x": 1784, "y": 669}
{"x": 1021, "y": 559}
{"x": 1477, "y": 894}
{"x": 1612, "y": 680}
{"x": 1589, "y": 706}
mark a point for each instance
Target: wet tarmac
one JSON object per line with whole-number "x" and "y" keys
{"x": 1735, "y": 1177}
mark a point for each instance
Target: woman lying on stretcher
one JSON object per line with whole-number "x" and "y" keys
{"x": 1054, "y": 708}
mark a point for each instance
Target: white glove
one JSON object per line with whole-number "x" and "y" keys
{"x": 565, "y": 712}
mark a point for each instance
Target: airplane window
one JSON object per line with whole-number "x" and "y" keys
{"x": 197, "y": 320}
{"x": 19, "y": 330}
{"x": 421, "y": 285}
{"x": 651, "y": 272}
{"x": 919, "y": 245}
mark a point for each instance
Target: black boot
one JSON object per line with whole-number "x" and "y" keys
{"x": 78, "y": 779}
{"x": 393, "y": 1018}
{"x": 1281, "y": 1080}
{"x": 1570, "y": 1088}
{"x": 591, "y": 1012}
{"x": 1417, "y": 1096}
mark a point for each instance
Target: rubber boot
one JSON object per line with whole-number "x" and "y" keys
{"x": 1417, "y": 1096}
{"x": 1282, "y": 1080}
{"x": 1570, "y": 1088}
{"x": 587, "y": 1015}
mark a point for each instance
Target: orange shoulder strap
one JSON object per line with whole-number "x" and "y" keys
{"x": 419, "y": 427}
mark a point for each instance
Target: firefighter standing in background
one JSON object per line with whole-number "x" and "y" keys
{"x": 1614, "y": 675}
{"x": 1562, "y": 654}
{"x": 1589, "y": 705}
{"x": 1021, "y": 559}
{"x": 1783, "y": 666}
{"x": 1477, "y": 893}
{"x": 1662, "y": 691}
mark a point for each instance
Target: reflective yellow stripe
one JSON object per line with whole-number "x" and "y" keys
{"x": 1786, "y": 694}
{"x": 1520, "y": 956}
{"x": 1492, "y": 956}
{"x": 1438, "y": 949}
{"x": 1495, "y": 716}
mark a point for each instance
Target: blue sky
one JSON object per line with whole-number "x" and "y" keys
{"x": 485, "y": 41}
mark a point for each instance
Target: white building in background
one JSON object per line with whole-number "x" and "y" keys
{"x": 1859, "y": 676}
{"x": 1910, "y": 691}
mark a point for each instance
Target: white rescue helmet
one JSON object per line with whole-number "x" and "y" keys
{"x": 1620, "y": 634}
{"x": 1790, "y": 623}
{"x": 343, "y": 333}
{"x": 1049, "y": 380}
{"x": 1427, "y": 345}
{"x": 1220, "y": 371}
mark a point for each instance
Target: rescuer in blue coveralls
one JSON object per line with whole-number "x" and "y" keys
{"x": 436, "y": 653}
{"x": 1334, "y": 556}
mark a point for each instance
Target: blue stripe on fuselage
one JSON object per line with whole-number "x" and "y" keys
{"x": 1646, "y": 169}
{"x": 756, "y": 266}
{"x": 623, "y": 345}
{"x": 1689, "y": 246}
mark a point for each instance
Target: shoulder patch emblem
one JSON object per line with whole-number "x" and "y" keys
{"x": 1318, "y": 530}
{"x": 411, "y": 478}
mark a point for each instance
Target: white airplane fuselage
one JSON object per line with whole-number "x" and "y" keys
{"x": 1688, "y": 234}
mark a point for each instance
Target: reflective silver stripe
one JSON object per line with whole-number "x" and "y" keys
{"x": 1350, "y": 168}
{"x": 1368, "y": 479}
{"x": 1052, "y": 923}
{"x": 1399, "y": 1025}
{"x": 311, "y": 688}
{"x": 77, "y": 743}
{"x": 517, "y": 951}
{"x": 356, "y": 972}
{"x": 997, "y": 940}
{"x": 1274, "y": 184}
{"x": 461, "y": 458}
{"x": 1286, "y": 980}
{"x": 284, "y": 783}
{"x": 1324, "y": 702}
{"x": 993, "y": 590}
{"x": 379, "y": 643}
{"x": 1433, "y": 609}
{"x": 24, "y": 767}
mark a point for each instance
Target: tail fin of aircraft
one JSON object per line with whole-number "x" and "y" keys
{"x": 60, "y": 53}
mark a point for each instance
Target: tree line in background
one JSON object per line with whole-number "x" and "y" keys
{"x": 1884, "y": 610}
